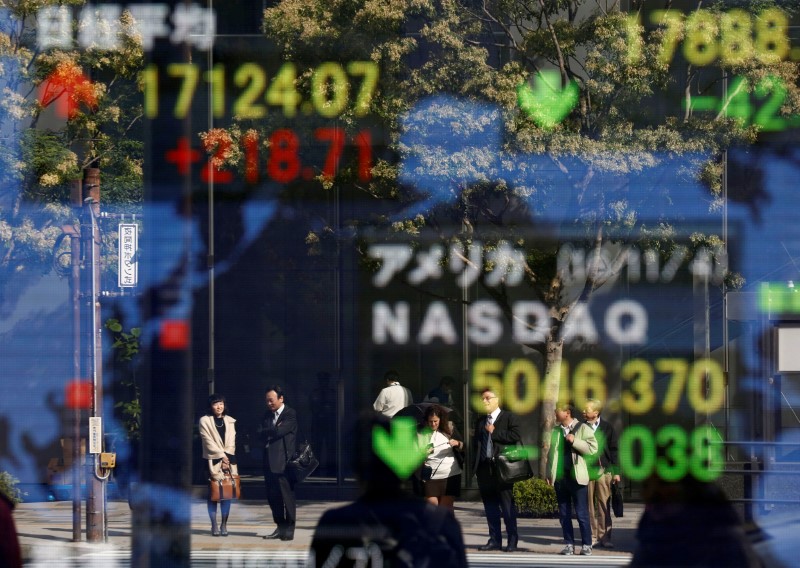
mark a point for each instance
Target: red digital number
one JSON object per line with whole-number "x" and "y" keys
{"x": 336, "y": 137}
{"x": 284, "y": 163}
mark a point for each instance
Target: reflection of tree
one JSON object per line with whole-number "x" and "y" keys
{"x": 126, "y": 348}
{"x": 594, "y": 172}
{"x": 63, "y": 110}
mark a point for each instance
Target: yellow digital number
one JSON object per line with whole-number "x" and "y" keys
{"x": 191, "y": 77}
{"x": 736, "y": 37}
{"x": 216, "y": 79}
{"x": 639, "y": 399}
{"x": 368, "y": 70}
{"x": 486, "y": 374}
{"x": 521, "y": 386}
{"x": 588, "y": 381}
{"x": 330, "y": 89}
{"x": 771, "y": 41}
{"x": 672, "y": 21}
{"x": 706, "y": 387}
{"x": 254, "y": 80}
{"x": 283, "y": 90}
{"x": 678, "y": 369}
{"x": 700, "y": 46}
{"x": 149, "y": 80}
{"x": 517, "y": 383}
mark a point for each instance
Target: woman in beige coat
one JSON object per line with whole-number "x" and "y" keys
{"x": 218, "y": 433}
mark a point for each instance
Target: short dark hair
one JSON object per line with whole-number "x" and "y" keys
{"x": 391, "y": 376}
{"x": 214, "y": 398}
{"x": 277, "y": 388}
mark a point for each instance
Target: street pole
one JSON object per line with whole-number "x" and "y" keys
{"x": 96, "y": 494}
{"x": 76, "y": 199}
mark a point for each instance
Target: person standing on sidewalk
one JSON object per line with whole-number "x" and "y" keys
{"x": 445, "y": 459}
{"x": 571, "y": 442}
{"x": 603, "y": 472}
{"x": 493, "y": 432}
{"x": 278, "y": 431}
{"x": 393, "y": 396}
{"x": 218, "y": 435}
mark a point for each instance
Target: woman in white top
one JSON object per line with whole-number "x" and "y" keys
{"x": 445, "y": 459}
{"x": 218, "y": 434}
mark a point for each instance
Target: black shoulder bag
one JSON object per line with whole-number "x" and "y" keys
{"x": 303, "y": 463}
{"x": 512, "y": 464}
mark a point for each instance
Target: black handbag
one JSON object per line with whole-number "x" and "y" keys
{"x": 303, "y": 463}
{"x": 616, "y": 499}
{"x": 513, "y": 466}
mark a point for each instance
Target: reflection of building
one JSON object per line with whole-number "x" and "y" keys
{"x": 287, "y": 304}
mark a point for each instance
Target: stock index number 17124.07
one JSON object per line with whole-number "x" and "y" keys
{"x": 332, "y": 88}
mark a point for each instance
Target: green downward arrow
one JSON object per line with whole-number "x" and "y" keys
{"x": 399, "y": 450}
{"x": 546, "y": 102}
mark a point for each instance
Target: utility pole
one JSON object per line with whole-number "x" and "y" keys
{"x": 90, "y": 232}
{"x": 76, "y": 200}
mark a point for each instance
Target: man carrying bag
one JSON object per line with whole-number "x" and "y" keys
{"x": 493, "y": 432}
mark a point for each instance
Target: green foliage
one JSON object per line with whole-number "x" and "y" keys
{"x": 126, "y": 348}
{"x": 8, "y": 486}
{"x": 42, "y": 151}
{"x": 535, "y": 498}
{"x": 127, "y": 344}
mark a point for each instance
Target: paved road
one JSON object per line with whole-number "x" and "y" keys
{"x": 45, "y": 532}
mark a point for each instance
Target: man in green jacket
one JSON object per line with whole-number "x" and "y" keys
{"x": 568, "y": 473}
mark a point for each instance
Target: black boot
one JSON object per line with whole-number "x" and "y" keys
{"x": 214, "y": 529}
{"x": 223, "y": 530}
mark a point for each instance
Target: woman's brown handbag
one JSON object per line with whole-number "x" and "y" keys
{"x": 224, "y": 489}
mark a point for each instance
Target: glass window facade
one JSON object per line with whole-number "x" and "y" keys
{"x": 558, "y": 201}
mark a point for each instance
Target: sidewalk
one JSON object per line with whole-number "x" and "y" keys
{"x": 45, "y": 531}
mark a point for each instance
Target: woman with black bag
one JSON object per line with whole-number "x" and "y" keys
{"x": 441, "y": 472}
{"x": 218, "y": 434}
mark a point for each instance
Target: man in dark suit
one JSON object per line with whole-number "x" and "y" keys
{"x": 603, "y": 472}
{"x": 279, "y": 431}
{"x": 493, "y": 432}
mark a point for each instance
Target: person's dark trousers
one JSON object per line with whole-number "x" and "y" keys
{"x": 280, "y": 495}
{"x": 498, "y": 499}
{"x": 570, "y": 493}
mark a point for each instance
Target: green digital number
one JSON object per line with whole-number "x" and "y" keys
{"x": 774, "y": 91}
{"x": 707, "y": 457}
{"x": 633, "y": 438}
{"x": 670, "y": 453}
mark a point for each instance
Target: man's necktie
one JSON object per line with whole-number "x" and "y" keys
{"x": 487, "y": 439}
